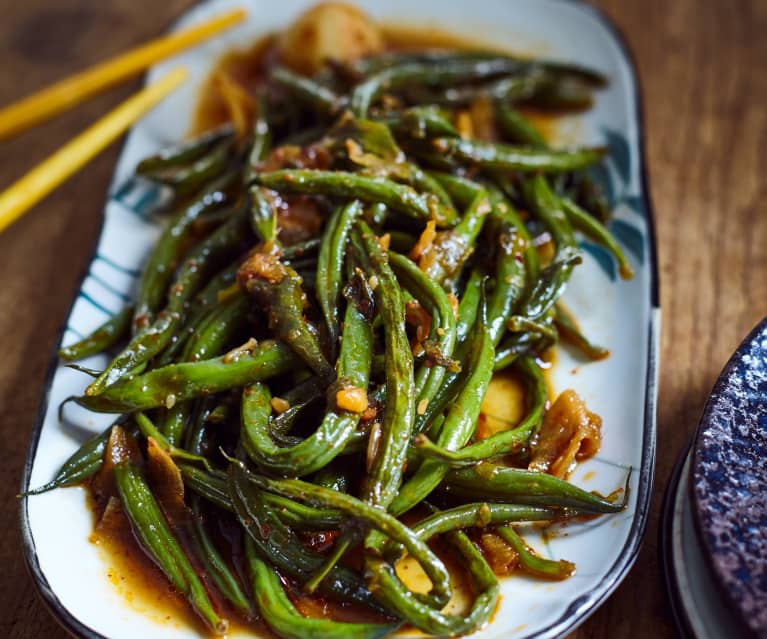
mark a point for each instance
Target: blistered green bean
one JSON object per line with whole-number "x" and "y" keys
{"x": 104, "y": 337}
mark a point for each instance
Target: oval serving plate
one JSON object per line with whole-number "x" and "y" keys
{"x": 70, "y": 572}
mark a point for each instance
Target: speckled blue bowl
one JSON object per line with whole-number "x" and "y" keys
{"x": 729, "y": 481}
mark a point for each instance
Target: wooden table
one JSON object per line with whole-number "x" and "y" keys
{"x": 706, "y": 129}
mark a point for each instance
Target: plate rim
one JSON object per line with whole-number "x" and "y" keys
{"x": 586, "y": 604}
{"x": 665, "y": 549}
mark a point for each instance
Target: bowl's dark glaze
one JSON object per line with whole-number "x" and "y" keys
{"x": 729, "y": 480}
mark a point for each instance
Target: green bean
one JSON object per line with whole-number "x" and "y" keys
{"x": 276, "y": 543}
{"x": 333, "y": 477}
{"x": 302, "y": 517}
{"x": 277, "y": 288}
{"x": 150, "y": 431}
{"x": 104, "y": 337}
{"x": 591, "y": 196}
{"x": 299, "y": 398}
{"x": 594, "y": 229}
{"x": 152, "y": 340}
{"x": 91, "y": 372}
{"x": 503, "y": 213}
{"x": 167, "y": 251}
{"x": 489, "y": 155}
{"x": 516, "y": 127}
{"x": 499, "y": 483}
{"x": 552, "y": 279}
{"x": 513, "y": 246}
{"x": 467, "y": 308}
{"x": 330, "y": 265}
{"x": 502, "y": 442}
{"x": 461, "y": 189}
{"x": 147, "y": 342}
{"x": 480, "y": 515}
{"x": 554, "y": 95}
{"x": 262, "y": 136}
{"x": 445, "y": 258}
{"x": 372, "y": 515}
{"x": 543, "y": 327}
{"x": 407, "y": 74}
{"x": 467, "y": 314}
{"x": 262, "y": 217}
{"x": 569, "y": 330}
{"x": 576, "y": 73}
{"x": 199, "y": 308}
{"x": 376, "y": 214}
{"x": 314, "y": 95}
{"x": 347, "y": 540}
{"x": 442, "y": 334}
{"x": 178, "y": 382}
{"x": 421, "y": 122}
{"x": 157, "y": 540}
{"x": 301, "y": 250}
{"x": 421, "y": 181}
{"x": 530, "y": 562}
{"x": 213, "y": 487}
{"x": 460, "y": 423}
{"x": 520, "y": 130}
{"x": 263, "y": 214}
{"x": 209, "y": 340}
{"x": 395, "y": 596}
{"x": 185, "y": 180}
{"x": 510, "y": 64}
{"x": 385, "y": 473}
{"x": 215, "y": 565}
{"x": 85, "y": 462}
{"x": 514, "y": 89}
{"x": 280, "y": 615}
{"x": 206, "y": 258}
{"x": 225, "y": 321}
{"x": 336, "y": 428}
{"x": 401, "y": 241}
{"x": 424, "y": 151}
{"x": 200, "y": 412}
{"x": 185, "y": 153}
{"x": 422, "y": 206}
{"x": 513, "y": 346}
{"x": 381, "y": 157}
{"x": 549, "y": 286}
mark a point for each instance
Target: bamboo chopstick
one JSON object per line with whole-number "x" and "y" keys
{"x": 67, "y": 93}
{"x": 47, "y": 175}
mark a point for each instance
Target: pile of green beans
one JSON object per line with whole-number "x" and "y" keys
{"x": 323, "y": 385}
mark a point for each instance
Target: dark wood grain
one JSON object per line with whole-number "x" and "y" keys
{"x": 706, "y": 128}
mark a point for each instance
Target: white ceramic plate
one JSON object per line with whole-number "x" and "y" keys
{"x": 70, "y": 572}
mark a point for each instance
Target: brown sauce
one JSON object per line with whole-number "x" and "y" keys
{"x": 142, "y": 584}
{"x": 246, "y": 67}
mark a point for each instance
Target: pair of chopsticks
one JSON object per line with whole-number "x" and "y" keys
{"x": 70, "y": 158}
